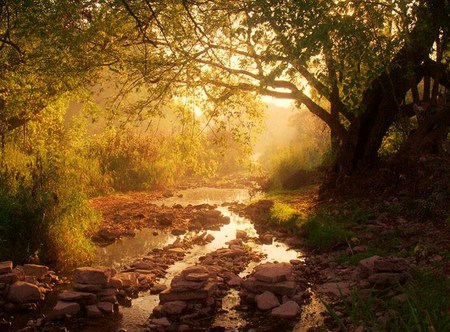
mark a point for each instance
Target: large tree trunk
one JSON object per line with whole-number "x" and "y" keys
{"x": 382, "y": 98}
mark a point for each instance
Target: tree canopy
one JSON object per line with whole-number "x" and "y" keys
{"x": 351, "y": 63}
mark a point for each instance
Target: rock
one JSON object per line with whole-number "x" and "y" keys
{"x": 178, "y": 231}
{"x": 241, "y": 234}
{"x": 128, "y": 279}
{"x": 280, "y": 288}
{"x": 367, "y": 266}
{"x": 161, "y": 321}
{"x": 80, "y": 297}
{"x": 341, "y": 288}
{"x": 176, "y": 251}
{"x": 232, "y": 279}
{"x": 8, "y": 278}
{"x": 272, "y": 272}
{"x": 92, "y": 311}
{"x": 115, "y": 283}
{"x": 158, "y": 288}
{"x": 360, "y": 248}
{"x": 106, "y": 307}
{"x": 266, "y": 238}
{"x": 266, "y": 301}
{"x": 174, "y": 307}
{"x": 197, "y": 277}
{"x": 179, "y": 284}
{"x": 391, "y": 265}
{"x": 92, "y": 275}
{"x": 289, "y": 309}
{"x": 24, "y": 292}
{"x": 386, "y": 278}
{"x": 38, "y": 271}
{"x": 6, "y": 267}
{"x": 194, "y": 269}
{"x": 143, "y": 265}
{"x": 209, "y": 238}
{"x": 168, "y": 295}
{"x": 30, "y": 279}
{"x": 63, "y": 308}
{"x": 295, "y": 262}
{"x": 18, "y": 271}
{"x": 87, "y": 288}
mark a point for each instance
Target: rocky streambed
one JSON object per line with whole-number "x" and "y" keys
{"x": 193, "y": 264}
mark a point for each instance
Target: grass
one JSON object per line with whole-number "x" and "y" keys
{"x": 426, "y": 307}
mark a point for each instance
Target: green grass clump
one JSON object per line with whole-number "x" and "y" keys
{"x": 286, "y": 217}
{"x": 323, "y": 235}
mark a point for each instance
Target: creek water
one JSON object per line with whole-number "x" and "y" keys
{"x": 128, "y": 249}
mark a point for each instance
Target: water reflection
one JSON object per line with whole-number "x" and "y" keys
{"x": 127, "y": 249}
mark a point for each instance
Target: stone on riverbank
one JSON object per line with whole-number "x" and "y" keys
{"x": 64, "y": 308}
{"x": 93, "y": 275}
{"x": 35, "y": 270}
{"x": 24, "y": 292}
{"x": 272, "y": 272}
{"x": 266, "y": 301}
{"x": 80, "y": 297}
{"x": 290, "y": 309}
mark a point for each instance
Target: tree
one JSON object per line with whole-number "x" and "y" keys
{"x": 359, "y": 58}
{"x": 49, "y": 48}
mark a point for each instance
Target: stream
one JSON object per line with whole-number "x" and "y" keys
{"x": 125, "y": 250}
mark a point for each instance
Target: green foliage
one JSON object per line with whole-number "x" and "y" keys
{"x": 45, "y": 213}
{"x": 285, "y": 216}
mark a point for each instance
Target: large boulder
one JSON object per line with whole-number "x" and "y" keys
{"x": 24, "y": 292}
